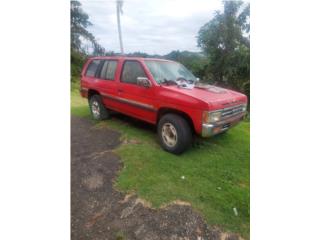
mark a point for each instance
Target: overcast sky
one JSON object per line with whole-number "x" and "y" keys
{"x": 151, "y": 26}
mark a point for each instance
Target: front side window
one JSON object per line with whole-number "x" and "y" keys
{"x": 131, "y": 71}
{"x": 163, "y": 71}
{"x": 92, "y": 68}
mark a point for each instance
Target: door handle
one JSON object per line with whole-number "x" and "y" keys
{"x": 120, "y": 90}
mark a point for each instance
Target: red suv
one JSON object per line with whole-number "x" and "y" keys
{"x": 160, "y": 92}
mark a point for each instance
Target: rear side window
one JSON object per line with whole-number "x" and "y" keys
{"x": 92, "y": 68}
{"x": 112, "y": 66}
{"x": 108, "y": 70}
{"x": 104, "y": 70}
{"x": 131, "y": 71}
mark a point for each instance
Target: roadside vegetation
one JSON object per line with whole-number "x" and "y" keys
{"x": 213, "y": 176}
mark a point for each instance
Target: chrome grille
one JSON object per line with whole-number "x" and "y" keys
{"x": 232, "y": 111}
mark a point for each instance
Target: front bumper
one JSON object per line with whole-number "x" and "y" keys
{"x": 209, "y": 130}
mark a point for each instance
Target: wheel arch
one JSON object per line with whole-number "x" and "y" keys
{"x": 92, "y": 92}
{"x": 165, "y": 110}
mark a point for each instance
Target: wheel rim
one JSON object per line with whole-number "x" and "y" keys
{"x": 169, "y": 134}
{"x": 95, "y": 109}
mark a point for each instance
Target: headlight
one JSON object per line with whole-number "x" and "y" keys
{"x": 211, "y": 117}
{"x": 244, "y": 108}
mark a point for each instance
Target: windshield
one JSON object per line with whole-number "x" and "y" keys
{"x": 163, "y": 71}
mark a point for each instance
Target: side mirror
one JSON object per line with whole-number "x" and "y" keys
{"x": 143, "y": 82}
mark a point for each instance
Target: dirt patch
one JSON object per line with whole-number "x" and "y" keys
{"x": 98, "y": 211}
{"x": 93, "y": 182}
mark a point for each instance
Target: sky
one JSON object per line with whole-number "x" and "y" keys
{"x": 150, "y": 26}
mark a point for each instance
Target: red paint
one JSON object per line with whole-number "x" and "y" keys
{"x": 191, "y": 102}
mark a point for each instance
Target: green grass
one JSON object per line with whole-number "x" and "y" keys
{"x": 216, "y": 171}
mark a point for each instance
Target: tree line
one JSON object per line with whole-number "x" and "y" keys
{"x": 224, "y": 41}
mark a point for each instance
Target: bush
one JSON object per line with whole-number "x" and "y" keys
{"x": 77, "y": 61}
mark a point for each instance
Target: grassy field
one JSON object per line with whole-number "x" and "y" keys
{"x": 213, "y": 175}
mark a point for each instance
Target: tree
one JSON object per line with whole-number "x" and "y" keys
{"x": 79, "y": 24}
{"x": 194, "y": 61}
{"x": 226, "y": 41}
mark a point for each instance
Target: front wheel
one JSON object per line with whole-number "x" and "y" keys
{"x": 98, "y": 110}
{"x": 174, "y": 133}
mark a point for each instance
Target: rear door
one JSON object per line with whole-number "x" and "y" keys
{"x": 105, "y": 82}
{"x": 136, "y": 100}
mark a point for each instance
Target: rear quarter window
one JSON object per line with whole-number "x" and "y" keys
{"x": 92, "y": 68}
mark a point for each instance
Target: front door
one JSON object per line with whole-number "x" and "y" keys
{"x": 136, "y": 100}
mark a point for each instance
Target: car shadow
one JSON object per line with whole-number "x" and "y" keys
{"x": 133, "y": 122}
{"x": 198, "y": 141}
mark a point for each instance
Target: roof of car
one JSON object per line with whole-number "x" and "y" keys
{"x": 129, "y": 58}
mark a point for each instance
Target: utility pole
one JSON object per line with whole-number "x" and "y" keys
{"x": 119, "y": 11}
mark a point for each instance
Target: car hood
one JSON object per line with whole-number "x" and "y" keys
{"x": 215, "y": 97}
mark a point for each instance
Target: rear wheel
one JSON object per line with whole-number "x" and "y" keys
{"x": 97, "y": 109}
{"x": 174, "y": 133}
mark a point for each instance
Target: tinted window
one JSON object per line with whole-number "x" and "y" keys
{"x": 92, "y": 68}
{"x": 104, "y": 70}
{"x": 108, "y": 70}
{"x": 131, "y": 70}
{"x": 112, "y": 66}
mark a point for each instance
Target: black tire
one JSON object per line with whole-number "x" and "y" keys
{"x": 182, "y": 131}
{"x": 95, "y": 104}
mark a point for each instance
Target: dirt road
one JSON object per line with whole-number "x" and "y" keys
{"x": 100, "y": 212}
